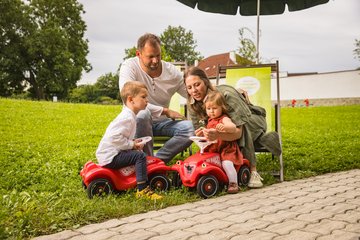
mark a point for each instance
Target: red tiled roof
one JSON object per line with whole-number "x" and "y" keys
{"x": 209, "y": 64}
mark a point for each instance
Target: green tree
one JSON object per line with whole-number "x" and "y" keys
{"x": 47, "y": 50}
{"x": 247, "y": 48}
{"x": 180, "y": 44}
{"x": 357, "y": 49}
{"x": 14, "y": 29}
{"x": 83, "y": 94}
{"x": 130, "y": 52}
{"x": 108, "y": 85}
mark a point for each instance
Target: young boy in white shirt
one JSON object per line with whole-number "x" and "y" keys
{"x": 118, "y": 148}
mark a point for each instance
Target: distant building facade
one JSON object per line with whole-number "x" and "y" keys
{"x": 318, "y": 89}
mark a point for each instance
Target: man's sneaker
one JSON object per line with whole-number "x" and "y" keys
{"x": 233, "y": 188}
{"x": 255, "y": 180}
{"x": 148, "y": 193}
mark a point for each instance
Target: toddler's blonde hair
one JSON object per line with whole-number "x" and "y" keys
{"x": 216, "y": 98}
{"x": 131, "y": 89}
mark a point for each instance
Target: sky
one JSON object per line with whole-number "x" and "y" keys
{"x": 318, "y": 39}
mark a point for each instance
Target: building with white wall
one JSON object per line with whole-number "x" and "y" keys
{"x": 333, "y": 88}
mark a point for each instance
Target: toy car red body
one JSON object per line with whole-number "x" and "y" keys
{"x": 204, "y": 172}
{"x": 99, "y": 181}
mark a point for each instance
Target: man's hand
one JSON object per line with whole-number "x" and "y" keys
{"x": 138, "y": 145}
{"x": 172, "y": 114}
{"x": 199, "y": 132}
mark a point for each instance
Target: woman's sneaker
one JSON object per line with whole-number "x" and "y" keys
{"x": 233, "y": 188}
{"x": 255, "y": 180}
{"x": 148, "y": 193}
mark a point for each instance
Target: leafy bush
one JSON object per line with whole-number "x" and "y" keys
{"x": 106, "y": 100}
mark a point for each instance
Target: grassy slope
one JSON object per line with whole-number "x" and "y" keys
{"x": 44, "y": 145}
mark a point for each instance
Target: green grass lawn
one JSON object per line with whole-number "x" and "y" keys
{"x": 44, "y": 145}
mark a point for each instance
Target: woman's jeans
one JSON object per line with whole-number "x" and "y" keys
{"x": 178, "y": 130}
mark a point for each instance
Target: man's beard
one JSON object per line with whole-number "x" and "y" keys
{"x": 152, "y": 67}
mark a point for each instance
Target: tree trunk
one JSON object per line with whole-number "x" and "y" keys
{"x": 39, "y": 92}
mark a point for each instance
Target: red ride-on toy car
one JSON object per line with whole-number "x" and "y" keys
{"x": 100, "y": 181}
{"x": 204, "y": 172}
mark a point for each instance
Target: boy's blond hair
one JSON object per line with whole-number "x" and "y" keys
{"x": 217, "y": 98}
{"x": 131, "y": 89}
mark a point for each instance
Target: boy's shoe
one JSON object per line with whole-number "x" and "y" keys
{"x": 255, "y": 180}
{"x": 148, "y": 193}
{"x": 233, "y": 188}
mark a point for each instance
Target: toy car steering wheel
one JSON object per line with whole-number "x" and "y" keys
{"x": 202, "y": 142}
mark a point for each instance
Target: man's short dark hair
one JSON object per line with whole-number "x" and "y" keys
{"x": 148, "y": 37}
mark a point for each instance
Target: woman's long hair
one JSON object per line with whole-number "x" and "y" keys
{"x": 197, "y": 107}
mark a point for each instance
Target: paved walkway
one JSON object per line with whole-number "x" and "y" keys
{"x": 322, "y": 207}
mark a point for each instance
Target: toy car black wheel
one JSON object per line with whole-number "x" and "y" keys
{"x": 176, "y": 180}
{"x": 207, "y": 186}
{"x": 159, "y": 182}
{"x": 244, "y": 176}
{"x": 99, "y": 187}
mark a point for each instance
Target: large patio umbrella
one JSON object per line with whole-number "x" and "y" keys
{"x": 251, "y": 8}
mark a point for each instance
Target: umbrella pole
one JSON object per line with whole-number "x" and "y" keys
{"x": 257, "y": 32}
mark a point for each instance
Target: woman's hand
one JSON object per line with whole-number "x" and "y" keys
{"x": 245, "y": 94}
{"x": 211, "y": 134}
{"x": 220, "y": 127}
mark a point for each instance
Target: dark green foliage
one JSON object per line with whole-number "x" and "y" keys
{"x": 180, "y": 44}
{"x": 43, "y": 47}
{"x": 108, "y": 85}
{"x": 105, "y": 91}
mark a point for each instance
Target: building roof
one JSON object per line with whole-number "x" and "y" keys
{"x": 210, "y": 64}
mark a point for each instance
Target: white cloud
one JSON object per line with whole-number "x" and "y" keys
{"x": 319, "y": 39}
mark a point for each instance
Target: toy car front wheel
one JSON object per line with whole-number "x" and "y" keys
{"x": 159, "y": 182}
{"x": 207, "y": 186}
{"x": 244, "y": 176}
{"x": 99, "y": 187}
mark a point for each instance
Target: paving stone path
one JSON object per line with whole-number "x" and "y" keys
{"x": 325, "y": 207}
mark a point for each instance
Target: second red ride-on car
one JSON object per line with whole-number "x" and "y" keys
{"x": 204, "y": 172}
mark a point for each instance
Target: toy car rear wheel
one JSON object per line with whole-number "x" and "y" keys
{"x": 244, "y": 176}
{"x": 159, "y": 182}
{"x": 99, "y": 187}
{"x": 207, "y": 186}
